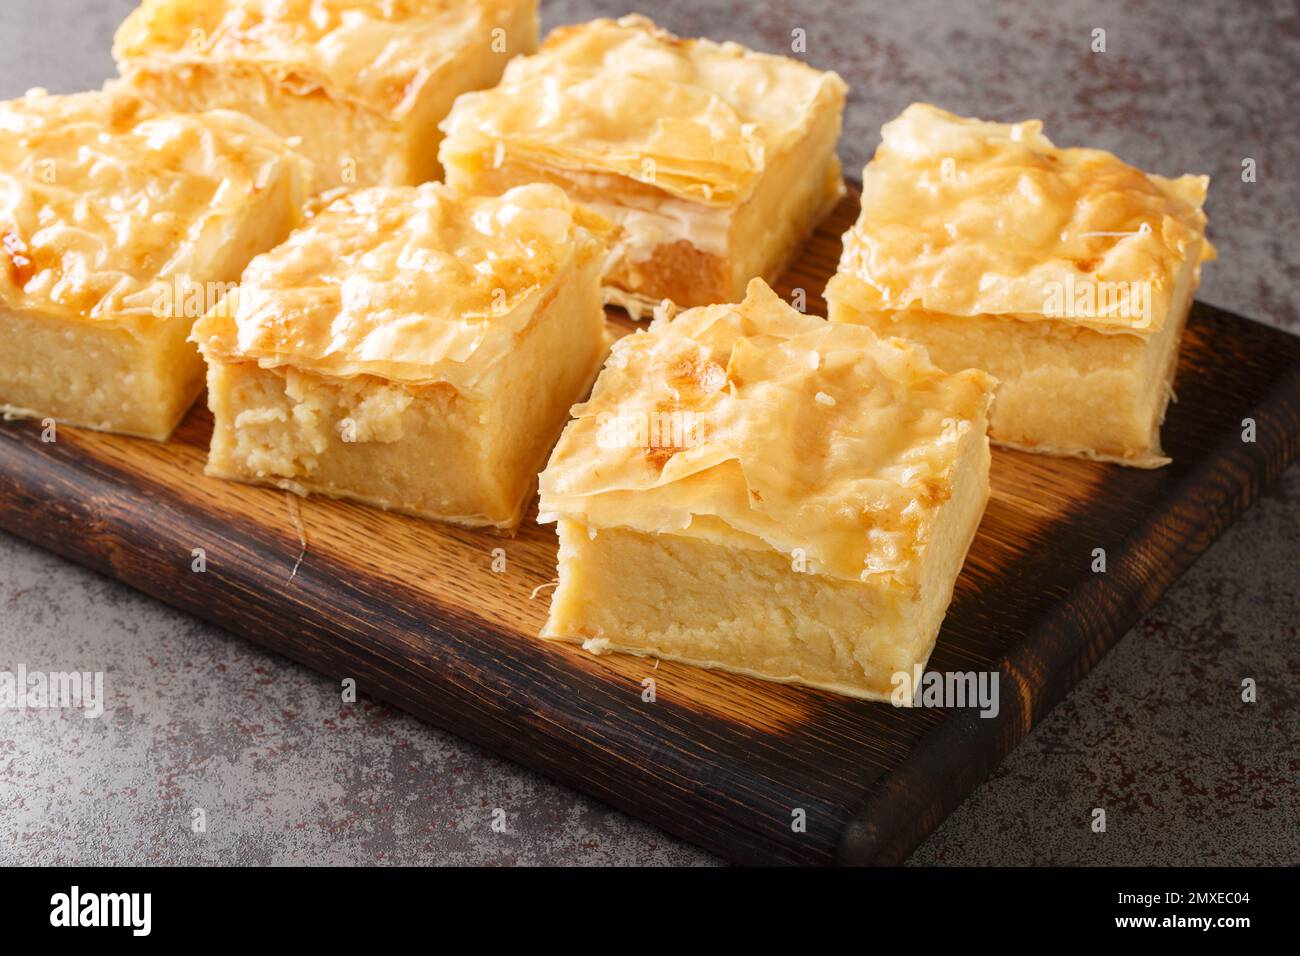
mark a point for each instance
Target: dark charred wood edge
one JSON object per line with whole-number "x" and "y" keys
{"x": 680, "y": 768}
{"x": 497, "y": 690}
{"x": 963, "y": 750}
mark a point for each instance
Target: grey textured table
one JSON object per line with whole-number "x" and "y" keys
{"x": 1156, "y": 733}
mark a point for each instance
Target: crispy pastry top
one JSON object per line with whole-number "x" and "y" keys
{"x": 755, "y": 425}
{"x": 697, "y": 119}
{"x": 379, "y": 53}
{"x": 102, "y": 197}
{"x": 413, "y": 284}
{"x": 965, "y": 217}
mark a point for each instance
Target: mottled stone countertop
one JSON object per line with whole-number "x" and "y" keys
{"x": 1157, "y": 733}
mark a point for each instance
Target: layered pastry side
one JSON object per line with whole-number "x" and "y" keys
{"x": 714, "y": 161}
{"x": 1065, "y": 273}
{"x": 411, "y": 348}
{"x": 361, "y": 84}
{"x": 757, "y": 490}
{"x": 119, "y": 226}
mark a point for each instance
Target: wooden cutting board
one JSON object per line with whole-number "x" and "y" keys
{"x": 414, "y": 612}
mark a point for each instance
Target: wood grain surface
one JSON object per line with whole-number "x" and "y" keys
{"x": 414, "y": 612}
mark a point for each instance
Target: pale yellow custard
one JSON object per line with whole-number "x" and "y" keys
{"x": 120, "y": 225}
{"x": 1065, "y": 273}
{"x": 411, "y": 347}
{"x": 767, "y": 492}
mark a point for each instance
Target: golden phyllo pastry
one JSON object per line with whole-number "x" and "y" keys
{"x": 361, "y": 84}
{"x": 767, "y": 492}
{"x": 1064, "y": 272}
{"x": 412, "y": 348}
{"x": 714, "y": 161}
{"x": 120, "y": 225}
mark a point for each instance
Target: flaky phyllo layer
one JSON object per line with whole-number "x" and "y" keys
{"x": 409, "y": 284}
{"x": 105, "y": 201}
{"x": 699, "y": 120}
{"x": 377, "y": 53}
{"x": 755, "y": 425}
{"x": 963, "y": 217}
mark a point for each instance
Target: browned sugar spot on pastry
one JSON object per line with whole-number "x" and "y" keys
{"x": 694, "y": 379}
{"x": 934, "y": 491}
{"x": 17, "y": 258}
{"x": 691, "y": 382}
{"x": 123, "y": 113}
